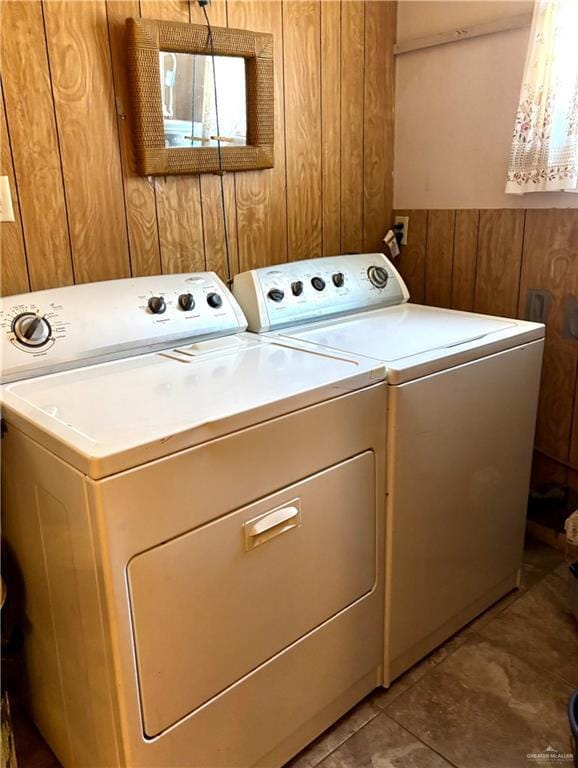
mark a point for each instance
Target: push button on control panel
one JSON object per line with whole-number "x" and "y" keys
{"x": 318, "y": 283}
{"x": 214, "y": 300}
{"x": 297, "y": 288}
{"x": 156, "y": 305}
{"x": 276, "y": 294}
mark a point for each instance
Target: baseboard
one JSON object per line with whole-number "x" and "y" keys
{"x": 546, "y": 535}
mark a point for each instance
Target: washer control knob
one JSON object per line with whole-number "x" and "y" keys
{"x": 378, "y": 276}
{"x": 276, "y": 294}
{"x": 318, "y": 283}
{"x": 338, "y": 279}
{"x": 297, "y": 288}
{"x": 186, "y": 302}
{"x": 214, "y": 300}
{"x": 156, "y": 305}
{"x": 31, "y": 330}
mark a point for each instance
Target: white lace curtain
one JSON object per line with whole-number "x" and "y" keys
{"x": 545, "y": 142}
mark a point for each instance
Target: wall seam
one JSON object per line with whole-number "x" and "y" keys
{"x": 480, "y": 211}
{"x": 572, "y": 412}
{"x": 476, "y": 259}
{"x": 362, "y": 191}
{"x": 425, "y": 258}
{"x": 58, "y": 144}
{"x": 454, "y": 219}
{"x": 321, "y": 195}
{"x": 340, "y": 124}
{"x": 153, "y": 183}
{"x": 120, "y": 149}
{"x": 16, "y": 188}
{"x": 521, "y": 269}
{"x": 282, "y": 4}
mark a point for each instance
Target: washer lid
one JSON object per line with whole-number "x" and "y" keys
{"x": 109, "y": 417}
{"x": 414, "y": 340}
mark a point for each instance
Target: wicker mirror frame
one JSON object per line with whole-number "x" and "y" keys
{"x": 145, "y": 38}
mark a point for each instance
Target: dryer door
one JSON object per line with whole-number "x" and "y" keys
{"x": 217, "y": 602}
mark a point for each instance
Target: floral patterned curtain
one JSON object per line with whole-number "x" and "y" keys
{"x": 545, "y": 142}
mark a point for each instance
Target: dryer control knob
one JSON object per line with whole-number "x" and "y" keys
{"x": 318, "y": 283}
{"x": 214, "y": 300}
{"x": 378, "y": 276}
{"x": 276, "y": 294}
{"x": 338, "y": 279}
{"x": 186, "y": 302}
{"x": 297, "y": 288}
{"x": 156, "y": 305}
{"x": 31, "y": 330}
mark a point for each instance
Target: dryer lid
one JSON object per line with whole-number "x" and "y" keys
{"x": 109, "y": 417}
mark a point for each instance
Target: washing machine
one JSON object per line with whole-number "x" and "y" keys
{"x": 197, "y": 516}
{"x": 461, "y": 411}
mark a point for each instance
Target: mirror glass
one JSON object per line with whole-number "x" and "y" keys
{"x": 188, "y": 96}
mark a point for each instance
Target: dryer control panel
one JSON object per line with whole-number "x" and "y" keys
{"x": 315, "y": 289}
{"x": 60, "y": 328}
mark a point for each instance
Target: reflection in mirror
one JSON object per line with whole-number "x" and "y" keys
{"x": 188, "y": 96}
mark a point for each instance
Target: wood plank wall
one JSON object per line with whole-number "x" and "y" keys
{"x": 486, "y": 261}
{"x": 83, "y": 215}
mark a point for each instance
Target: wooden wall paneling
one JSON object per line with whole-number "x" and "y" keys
{"x": 261, "y": 195}
{"x": 380, "y": 25}
{"x": 79, "y": 56}
{"x": 139, "y": 192}
{"x": 550, "y": 263}
{"x": 556, "y": 404}
{"x": 14, "y": 273}
{"x": 498, "y": 255}
{"x": 573, "y": 453}
{"x": 439, "y": 258}
{"x": 301, "y": 69}
{"x": 465, "y": 258}
{"x": 574, "y": 434}
{"x": 213, "y": 229}
{"x": 32, "y": 124}
{"x": 352, "y": 124}
{"x": 92, "y": 217}
{"x": 178, "y": 198}
{"x": 547, "y": 470}
{"x": 331, "y": 54}
{"x": 411, "y": 261}
{"x": 499, "y": 259}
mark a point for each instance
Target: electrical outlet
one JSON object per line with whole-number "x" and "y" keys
{"x": 6, "y": 209}
{"x": 401, "y": 224}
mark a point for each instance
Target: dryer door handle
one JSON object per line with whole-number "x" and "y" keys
{"x": 271, "y": 524}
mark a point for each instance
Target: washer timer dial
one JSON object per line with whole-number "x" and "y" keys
{"x": 378, "y": 276}
{"x": 31, "y": 330}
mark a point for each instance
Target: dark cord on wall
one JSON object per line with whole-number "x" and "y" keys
{"x": 203, "y": 4}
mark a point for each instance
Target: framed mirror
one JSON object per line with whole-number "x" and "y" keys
{"x": 190, "y": 94}
{"x": 180, "y": 95}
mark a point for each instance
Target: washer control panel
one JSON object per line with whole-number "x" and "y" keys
{"x": 311, "y": 290}
{"x": 48, "y": 331}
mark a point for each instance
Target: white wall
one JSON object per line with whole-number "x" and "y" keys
{"x": 455, "y": 106}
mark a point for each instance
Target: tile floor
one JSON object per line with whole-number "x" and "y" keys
{"x": 492, "y": 694}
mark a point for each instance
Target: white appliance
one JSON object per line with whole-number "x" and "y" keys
{"x": 198, "y": 515}
{"x": 462, "y": 400}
